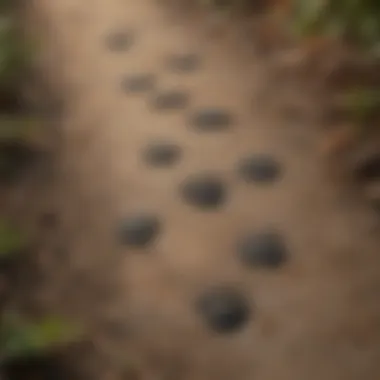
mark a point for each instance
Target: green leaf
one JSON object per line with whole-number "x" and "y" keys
{"x": 19, "y": 337}
{"x": 360, "y": 103}
{"x": 11, "y": 240}
{"x": 18, "y": 127}
{"x": 355, "y": 19}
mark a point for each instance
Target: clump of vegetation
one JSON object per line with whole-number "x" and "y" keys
{"x": 348, "y": 30}
{"x": 15, "y": 118}
{"x": 14, "y": 59}
{"x": 11, "y": 241}
{"x": 21, "y": 339}
{"x": 355, "y": 25}
{"x": 352, "y": 21}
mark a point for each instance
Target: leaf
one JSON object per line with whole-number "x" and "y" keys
{"x": 357, "y": 20}
{"x": 307, "y": 15}
{"x": 20, "y": 127}
{"x": 13, "y": 52}
{"x": 360, "y": 103}
{"x": 53, "y": 331}
{"x": 19, "y": 337}
{"x": 11, "y": 240}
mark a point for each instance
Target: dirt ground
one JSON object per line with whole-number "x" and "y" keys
{"x": 194, "y": 235}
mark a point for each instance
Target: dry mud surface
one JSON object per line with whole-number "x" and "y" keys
{"x": 198, "y": 238}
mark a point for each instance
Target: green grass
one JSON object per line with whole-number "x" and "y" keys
{"x": 354, "y": 24}
{"x": 13, "y": 54}
{"x": 353, "y": 21}
{"x": 356, "y": 21}
{"x": 19, "y": 337}
{"x": 12, "y": 240}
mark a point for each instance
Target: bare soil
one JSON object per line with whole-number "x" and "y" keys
{"x": 310, "y": 311}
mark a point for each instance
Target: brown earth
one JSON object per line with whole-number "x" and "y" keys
{"x": 309, "y": 311}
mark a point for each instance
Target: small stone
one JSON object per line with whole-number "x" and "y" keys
{"x": 259, "y": 168}
{"x": 61, "y": 252}
{"x": 116, "y": 329}
{"x": 162, "y": 154}
{"x": 376, "y": 206}
{"x": 183, "y": 63}
{"x": 368, "y": 169}
{"x": 49, "y": 219}
{"x": 262, "y": 250}
{"x": 47, "y": 365}
{"x": 204, "y": 191}
{"x": 224, "y": 309}
{"x": 138, "y": 83}
{"x": 139, "y": 230}
{"x": 211, "y": 120}
{"x": 119, "y": 41}
{"x": 16, "y": 158}
{"x": 171, "y": 100}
